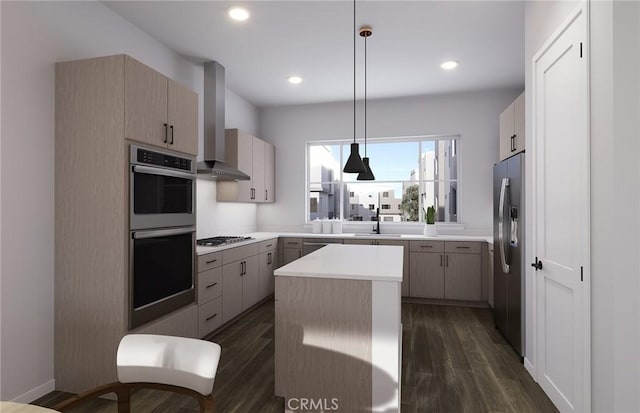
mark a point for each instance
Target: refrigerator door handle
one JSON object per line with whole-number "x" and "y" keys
{"x": 503, "y": 253}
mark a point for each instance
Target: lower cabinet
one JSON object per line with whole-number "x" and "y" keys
{"x": 450, "y": 270}
{"x": 291, "y": 250}
{"x": 240, "y": 285}
{"x": 268, "y": 263}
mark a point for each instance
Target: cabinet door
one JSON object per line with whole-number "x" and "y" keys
{"x": 506, "y": 132}
{"x": 145, "y": 104}
{"x": 250, "y": 282}
{"x": 239, "y": 152}
{"x": 258, "y": 170}
{"x": 426, "y": 275}
{"x": 463, "y": 277}
{"x": 182, "y": 114}
{"x": 518, "y": 124}
{"x": 269, "y": 172}
{"x": 267, "y": 264}
{"x": 291, "y": 254}
{"x": 231, "y": 290}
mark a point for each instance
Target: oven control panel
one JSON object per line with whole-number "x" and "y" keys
{"x": 147, "y": 157}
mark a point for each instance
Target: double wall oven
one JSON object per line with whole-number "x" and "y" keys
{"x": 162, "y": 233}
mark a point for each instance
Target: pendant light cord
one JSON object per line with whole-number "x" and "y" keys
{"x": 365, "y": 96}
{"x": 354, "y": 71}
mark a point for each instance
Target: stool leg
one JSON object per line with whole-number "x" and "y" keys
{"x": 124, "y": 398}
{"x": 206, "y": 404}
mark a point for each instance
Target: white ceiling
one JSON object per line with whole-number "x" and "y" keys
{"x": 314, "y": 39}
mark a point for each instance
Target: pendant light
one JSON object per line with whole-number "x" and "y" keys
{"x": 367, "y": 174}
{"x": 354, "y": 162}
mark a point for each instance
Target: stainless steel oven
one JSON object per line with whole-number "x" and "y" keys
{"x": 161, "y": 272}
{"x": 162, "y": 189}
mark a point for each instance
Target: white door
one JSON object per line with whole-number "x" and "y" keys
{"x": 561, "y": 203}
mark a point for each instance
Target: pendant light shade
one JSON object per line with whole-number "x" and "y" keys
{"x": 367, "y": 174}
{"x": 354, "y": 164}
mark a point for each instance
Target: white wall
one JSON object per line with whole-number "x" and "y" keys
{"x": 541, "y": 20}
{"x": 615, "y": 204}
{"x": 472, "y": 115}
{"x": 35, "y": 35}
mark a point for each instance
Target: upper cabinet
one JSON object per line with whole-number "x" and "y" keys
{"x": 254, "y": 157}
{"x": 512, "y": 128}
{"x": 158, "y": 110}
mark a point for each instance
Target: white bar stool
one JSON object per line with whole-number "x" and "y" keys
{"x": 176, "y": 364}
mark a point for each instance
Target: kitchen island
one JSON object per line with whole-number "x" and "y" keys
{"x": 337, "y": 329}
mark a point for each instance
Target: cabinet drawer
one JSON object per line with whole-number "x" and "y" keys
{"x": 292, "y": 242}
{"x": 208, "y": 261}
{"x": 209, "y": 316}
{"x": 462, "y": 247}
{"x": 426, "y": 246}
{"x": 209, "y": 285}
{"x": 239, "y": 253}
{"x": 268, "y": 245}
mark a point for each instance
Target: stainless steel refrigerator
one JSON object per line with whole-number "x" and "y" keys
{"x": 508, "y": 255}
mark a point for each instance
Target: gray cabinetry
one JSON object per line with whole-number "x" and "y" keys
{"x": 291, "y": 249}
{"x": 450, "y": 270}
{"x": 268, "y": 262}
{"x": 240, "y": 280}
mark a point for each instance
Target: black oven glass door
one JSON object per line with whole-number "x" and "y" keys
{"x": 161, "y": 198}
{"x": 162, "y": 272}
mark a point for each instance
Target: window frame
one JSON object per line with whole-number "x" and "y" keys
{"x": 340, "y": 183}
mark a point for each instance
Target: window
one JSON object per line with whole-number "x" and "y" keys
{"x": 411, "y": 175}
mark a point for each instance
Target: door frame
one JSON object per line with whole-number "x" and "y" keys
{"x": 533, "y": 365}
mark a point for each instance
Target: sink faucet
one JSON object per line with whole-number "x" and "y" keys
{"x": 377, "y": 227}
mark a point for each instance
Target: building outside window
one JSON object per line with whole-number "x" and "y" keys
{"x": 411, "y": 174}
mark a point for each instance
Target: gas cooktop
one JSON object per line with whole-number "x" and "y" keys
{"x": 219, "y": 241}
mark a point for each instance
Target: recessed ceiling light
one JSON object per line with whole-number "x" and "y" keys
{"x": 449, "y": 64}
{"x": 295, "y": 80}
{"x": 238, "y": 13}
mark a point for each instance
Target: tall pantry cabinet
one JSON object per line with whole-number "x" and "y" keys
{"x": 101, "y": 106}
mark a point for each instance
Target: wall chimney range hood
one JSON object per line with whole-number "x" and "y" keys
{"x": 214, "y": 166}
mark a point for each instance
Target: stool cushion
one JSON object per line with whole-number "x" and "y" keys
{"x": 177, "y": 361}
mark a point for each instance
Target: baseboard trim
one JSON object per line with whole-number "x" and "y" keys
{"x": 36, "y": 392}
{"x": 529, "y": 367}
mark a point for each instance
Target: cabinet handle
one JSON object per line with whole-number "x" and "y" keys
{"x": 426, "y": 246}
{"x": 292, "y": 243}
{"x": 447, "y": 260}
{"x": 209, "y": 318}
{"x": 241, "y": 268}
{"x": 166, "y": 132}
{"x": 513, "y": 143}
{"x": 266, "y": 196}
{"x": 171, "y": 143}
{"x": 211, "y": 262}
{"x": 269, "y": 258}
{"x": 211, "y": 285}
{"x": 299, "y": 253}
{"x": 463, "y": 248}
{"x": 269, "y": 246}
{"x": 441, "y": 260}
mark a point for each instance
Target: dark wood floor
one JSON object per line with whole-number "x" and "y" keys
{"x": 453, "y": 361}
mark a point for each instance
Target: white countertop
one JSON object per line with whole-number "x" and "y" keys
{"x": 263, "y": 236}
{"x": 353, "y": 262}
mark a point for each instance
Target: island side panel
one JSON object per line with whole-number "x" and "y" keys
{"x": 323, "y": 337}
{"x": 386, "y": 351}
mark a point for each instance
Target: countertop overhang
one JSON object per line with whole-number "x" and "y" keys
{"x": 352, "y": 262}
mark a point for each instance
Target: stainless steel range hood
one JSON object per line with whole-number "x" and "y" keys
{"x": 214, "y": 165}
